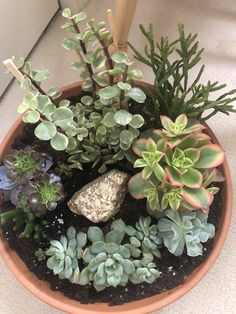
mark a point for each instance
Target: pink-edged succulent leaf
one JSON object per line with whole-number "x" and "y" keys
{"x": 173, "y": 177}
{"x": 151, "y": 133}
{"x": 192, "y": 178}
{"x": 159, "y": 172}
{"x": 139, "y": 146}
{"x": 203, "y": 139}
{"x": 182, "y": 120}
{"x": 212, "y": 175}
{"x": 211, "y": 156}
{"x": 140, "y": 163}
{"x": 186, "y": 205}
{"x": 188, "y": 141}
{"x": 151, "y": 145}
{"x": 192, "y": 153}
{"x": 161, "y": 145}
{"x": 137, "y": 185}
{"x": 147, "y": 172}
{"x": 199, "y": 198}
{"x": 213, "y": 190}
{"x": 168, "y": 156}
{"x": 166, "y": 122}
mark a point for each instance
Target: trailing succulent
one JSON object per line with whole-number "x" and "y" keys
{"x": 185, "y": 230}
{"x": 100, "y": 127}
{"x": 26, "y": 184}
{"x": 107, "y": 261}
{"x": 179, "y": 164}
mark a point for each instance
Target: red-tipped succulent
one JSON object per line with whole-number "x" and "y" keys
{"x": 179, "y": 164}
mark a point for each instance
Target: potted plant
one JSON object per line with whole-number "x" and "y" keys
{"x": 118, "y": 189}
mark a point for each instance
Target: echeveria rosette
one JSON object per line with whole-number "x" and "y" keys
{"x": 65, "y": 253}
{"x": 185, "y": 230}
{"x": 45, "y": 193}
{"x": 108, "y": 262}
{"x": 145, "y": 236}
{"x": 176, "y": 173}
{"x": 144, "y": 272}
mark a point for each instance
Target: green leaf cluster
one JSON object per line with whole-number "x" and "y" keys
{"x": 180, "y": 230}
{"x": 175, "y": 93}
{"x": 108, "y": 260}
{"x": 178, "y": 165}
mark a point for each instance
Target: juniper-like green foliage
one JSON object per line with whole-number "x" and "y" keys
{"x": 175, "y": 93}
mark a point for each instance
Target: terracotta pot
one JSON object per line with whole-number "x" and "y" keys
{"x": 42, "y": 290}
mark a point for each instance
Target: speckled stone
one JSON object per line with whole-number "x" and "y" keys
{"x": 101, "y": 199}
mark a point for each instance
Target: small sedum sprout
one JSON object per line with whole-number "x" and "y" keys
{"x": 40, "y": 255}
{"x": 185, "y": 230}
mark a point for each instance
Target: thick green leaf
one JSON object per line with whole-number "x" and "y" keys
{"x": 173, "y": 177}
{"x": 124, "y": 86}
{"x": 79, "y": 17}
{"x": 31, "y": 117}
{"x": 26, "y": 83}
{"x": 198, "y": 198}
{"x": 136, "y": 94}
{"x": 123, "y": 117}
{"x": 41, "y": 75}
{"x": 70, "y": 43}
{"x": 59, "y": 141}
{"x": 159, "y": 172}
{"x": 134, "y": 74}
{"x": 192, "y": 178}
{"x": 211, "y": 156}
{"x": 108, "y": 92}
{"x": 139, "y": 146}
{"x": 62, "y": 116}
{"x": 54, "y": 92}
{"x": 120, "y": 57}
{"x": 126, "y": 137}
{"x": 108, "y": 120}
{"x": 137, "y": 185}
{"x": 45, "y": 130}
{"x": 137, "y": 121}
{"x": 192, "y": 153}
{"x": 66, "y": 13}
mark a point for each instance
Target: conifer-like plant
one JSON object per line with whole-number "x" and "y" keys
{"x": 178, "y": 163}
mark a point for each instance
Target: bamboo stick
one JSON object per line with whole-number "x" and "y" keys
{"x": 8, "y": 63}
{"x": 124, "y": 15}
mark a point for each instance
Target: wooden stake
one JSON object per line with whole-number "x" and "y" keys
{"x": 8, "y": 63}
{"x": 112, "y": 27}
{"x": 124, "y": 15}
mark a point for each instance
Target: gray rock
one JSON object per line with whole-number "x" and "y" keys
{"x": 101, "y": 199}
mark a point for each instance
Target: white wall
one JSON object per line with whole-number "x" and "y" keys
{"x": 21, "y": 24}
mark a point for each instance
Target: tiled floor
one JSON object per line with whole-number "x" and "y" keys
{"x": 215, "y": 22}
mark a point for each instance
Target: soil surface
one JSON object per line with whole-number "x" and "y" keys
{"x": 174, "y": 269}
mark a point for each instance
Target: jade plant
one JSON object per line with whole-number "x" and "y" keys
{"x": 185, "y": 230}
{"x": 100, "y": 127}
{"x": 179, "y": 164}
{"x": 173, "y": 63}
{"x": 109, "y": 260}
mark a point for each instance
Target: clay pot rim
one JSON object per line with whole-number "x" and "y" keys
{"x": 56, "y": 299}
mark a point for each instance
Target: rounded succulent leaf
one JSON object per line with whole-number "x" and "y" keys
{"x": 95, "y": 234}
{"x": 59, "y": 141}
{"x": 123, "y": 117}
{"x": 45, "y": 131}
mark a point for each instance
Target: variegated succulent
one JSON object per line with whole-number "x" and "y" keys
{"x": 65, "y": 253}
{"x": 179, "y": 163}
{"x": 100, "y": 127}
{"x": 185, "y": 231}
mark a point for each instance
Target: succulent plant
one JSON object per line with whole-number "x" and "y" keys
{"x": 179, "y": 163}
{"x": 145, "y": 236}
{"x": 27, "y": 223}
{"x": 44, "y": 193}
{"x": 64, "y": 254}
{"x": 108, "y": 261}
{"x": 185, "y": 230}
{"x": 25, "y": 164}
{"x": 144, "y": 272}
{"x": 40, "y": 255}
{"x": 63, "y": 169}
{"x": 99, "y": 128}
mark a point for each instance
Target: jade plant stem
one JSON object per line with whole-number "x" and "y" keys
{"x": 123, "y": 103}
{"x": 89, "y": 67}
{"x": 106, "y": 53}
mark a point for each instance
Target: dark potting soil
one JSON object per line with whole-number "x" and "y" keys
{"x": 174, "y": 270}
